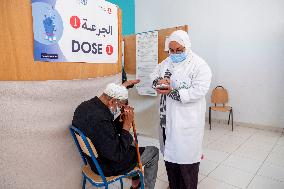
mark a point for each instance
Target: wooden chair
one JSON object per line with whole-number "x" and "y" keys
{"x": 85, "y": 145}
{"x": 220, "y": 96}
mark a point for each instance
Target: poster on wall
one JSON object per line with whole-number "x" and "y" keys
{"x": 146, "y": 61}
{"x": 75, "y": 31}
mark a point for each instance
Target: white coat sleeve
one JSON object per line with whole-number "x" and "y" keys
{"x": 199, "y": 85}
{"x": 155, "y": 76}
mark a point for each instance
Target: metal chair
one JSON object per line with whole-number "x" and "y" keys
{"x": 220, "y": 96}
{"x": 85, "y": 145}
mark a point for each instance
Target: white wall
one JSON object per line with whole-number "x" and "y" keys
{"x": 242, "y": 41}
{"x": 36, "y": 147}
{"x": 146, "y": 109}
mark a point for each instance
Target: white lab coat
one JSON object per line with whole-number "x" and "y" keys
{"x": 185, "y": 119}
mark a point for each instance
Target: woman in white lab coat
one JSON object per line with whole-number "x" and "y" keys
{"x": 183, "y": 80}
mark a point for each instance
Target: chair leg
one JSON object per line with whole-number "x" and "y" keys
{"x": 232, "y": 120}
{"x": 229, "y": 117}
{"x": 84, "y": 182}
{"x": 210, "y": 117}
{"x": 121, "y": 183}
{"x": 141, "y": 180}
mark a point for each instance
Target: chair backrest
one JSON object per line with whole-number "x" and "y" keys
{"x": 84, "y": 144}
{"x": 84, "y": 147}
{"x": 219, "y": 96}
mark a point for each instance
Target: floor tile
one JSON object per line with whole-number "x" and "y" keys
{"x": 279, "y": 149}
{"x": 207, "y": 142}
{"x": 264, "y": 139}
{"x": 209, "y": 183}
{"x": 243, "y": 164}
{"x": 240, "y": 134}
{"x": 232, "y": 139}
{"x": 224, "y": 168}
{"x": 214, "y": 155}
{"x": 260, "y": 182}
{"x": 258, "y": 145}
{"x": 271, "y": 171}
{"x": 201, "y": 177}
{"x": 161, "y": 184}
{"x": 207, "y": 166}
{"x": 213, "y": 136}
{"x": 231, "y": 176}
{"x": 223, "y": 147}
{"x": 268, "y": 133}
{"x": 252, "y": 153}
{"x": 281, "y": 141}
{"x": 247, "y": 130}
{"x": 275, "y": 159}
{"x": 164, "y": 177}
{"x": 126, "y": 183}
{"x": 161, "y": 168}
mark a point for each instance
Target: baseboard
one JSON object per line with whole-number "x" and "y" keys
{"x": 249, "y": 125}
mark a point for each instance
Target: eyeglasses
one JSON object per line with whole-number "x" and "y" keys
{"x": 177, "y": 51}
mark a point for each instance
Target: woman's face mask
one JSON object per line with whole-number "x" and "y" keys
{"x": 176, "y": 58}
{"x": 176, "y": 51}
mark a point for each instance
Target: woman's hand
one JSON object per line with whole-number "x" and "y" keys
{"x": 165, "y": 81}
{"x": 164, "y": 91}
{"x": 166, "y": 86}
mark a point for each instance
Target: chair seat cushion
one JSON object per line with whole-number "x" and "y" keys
{"x": 221, "y": 108}
{"x": 97, "y": 178}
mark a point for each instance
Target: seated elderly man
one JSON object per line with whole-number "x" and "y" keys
{"x": 111, "y": 138}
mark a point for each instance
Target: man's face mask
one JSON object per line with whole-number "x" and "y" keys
{"x": 115, "y": 109}
{"x": 176, "y": 58}
{"x": 119, "y": 104}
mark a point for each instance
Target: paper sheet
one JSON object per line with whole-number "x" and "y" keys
{"x": 146, "y": 61}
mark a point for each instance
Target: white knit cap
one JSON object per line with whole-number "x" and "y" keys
{"x": 116, "y": 91}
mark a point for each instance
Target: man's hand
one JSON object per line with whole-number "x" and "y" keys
{"x": 128, "y": 117}
{"x": 130, "y": 83}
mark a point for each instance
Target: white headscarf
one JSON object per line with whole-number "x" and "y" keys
{"x": 182, "y": 38}
{"x": 116, "y": 91}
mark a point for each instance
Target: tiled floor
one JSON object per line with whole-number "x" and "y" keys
{"x": 246, "y": 158}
